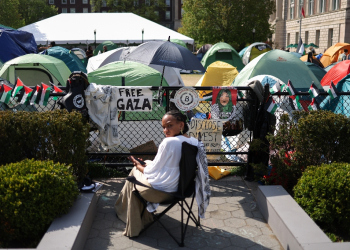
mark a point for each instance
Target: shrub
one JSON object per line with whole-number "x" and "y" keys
{"x": 32, "y": 194}
{"x": 53, "y": 135}
{"x": 323, "y": 192}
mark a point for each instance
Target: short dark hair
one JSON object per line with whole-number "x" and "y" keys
{"x": 53, "y": 44}
{"x": 179, "y": 117}
{"x": 345, "y": 50}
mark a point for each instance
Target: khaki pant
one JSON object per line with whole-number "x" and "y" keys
{"x": 129, "y": 208}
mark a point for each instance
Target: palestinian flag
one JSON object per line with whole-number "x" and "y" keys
{"x": 271, "y": 106}
{"x": 313, "y": 105}
{"x": 6, "y": 93}
{"x": 301, "y": 49}
{"x": 283, "y": 86}
{"x": 55, "y": 90}
{"x": 240, "y": 94}
{"x": 296, "y": 102}
{"x": 26, "y": 96}
{"x": 276, "y": 88}
{"x": 35, "y": 95}
{"x": 18, "y": 86}
{"x": 313, "y": 91}
{"x": 290, "y": 88}
{"x": 45, "y": 94}
{"x": 333, "y": 93}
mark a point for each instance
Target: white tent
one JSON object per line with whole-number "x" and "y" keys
{"x": 171, "y": 75}
{"x": 116, "y": 27}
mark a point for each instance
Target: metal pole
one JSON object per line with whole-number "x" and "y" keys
{"x": 142, "y": 35}
{"x": 95, "y": 38}
{"x": 300, "y": 1}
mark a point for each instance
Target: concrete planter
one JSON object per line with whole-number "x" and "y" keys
{"x": 70, "y": 231}
{"x": 292, "y": 226}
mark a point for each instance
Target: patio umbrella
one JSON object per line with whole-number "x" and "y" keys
{"x": 313, "y": 45}
{"x": 290, "y": 46}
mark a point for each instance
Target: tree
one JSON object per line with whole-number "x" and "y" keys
{"x": 9, "y": 14}
{"x": 35, "y": 10}
{"x": 230, "y": 21}
{"x": 150, "y": 9}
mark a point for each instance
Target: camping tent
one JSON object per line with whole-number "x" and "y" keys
{"x": 332, "y": 53}
{"x": 202, "y": 50}
{"x": 33, "y": 69}
{"x": 282, "y": 65}
{"x": 337, "y": 73}
{"x": 254, "y": 50}
{"x": 296, "y": 54}
{"x": 179, "y": 42}
{"x": 241, "y": 53}
{"x": 75, "y": 28}
{"x": 304, "y": 58}
{"x": 109, "y": 44}
{"x": 14, "y": 43}
{"x": 317, "y": 70}
{"x": 136, "y": 74}
{"x": 80, "y": 54}
{"x": 222, "y": 52}
{"x": 67, "y": 56}
{"x": 171, "y": 75}
{"x": 328, "y": 68}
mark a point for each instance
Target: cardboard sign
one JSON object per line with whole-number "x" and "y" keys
{"x": 209, "y": 132}
{"x": 134, "y": 99}
{"x": 224, "y": 103}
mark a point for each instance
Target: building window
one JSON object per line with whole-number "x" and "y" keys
{"x": 296, "y": 37}
{"x": 156, "y": 13}
{"x": 167, "y": 15}
{"x": 85, "y": 10}
{"x": 322, "y": 6}
{"x": 335, "y": 4}
{"x": 85, "y": 1}
{"x": 301, "y": 3}
{"x": 288, "y": 38}
{"x": 167, "y": 3}
{"x": 182, "y": 12}
{"x": 64, "y": 10}
{"x": 156, "y": 3}
{"x": 72, "y": 1}
{"x": 306, "y": 40}
{"x": 330, "y": 37}
{"x": 311, "y": 7}
{"x": 318, "y": 37}
{"x": 104, "y": 3}
{"x": 64, "y": 1}
{"x": 136, "y": 3}
{"x": 148, "y": 2}
{"x": 72, "y": 10}
{"x": 291, "y": 9}
{"x": 51, "y": 1}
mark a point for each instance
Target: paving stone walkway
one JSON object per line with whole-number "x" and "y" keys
{"x": 232, "y": 221}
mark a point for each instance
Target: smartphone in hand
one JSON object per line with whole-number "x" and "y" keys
{"x": 142, "y": 162}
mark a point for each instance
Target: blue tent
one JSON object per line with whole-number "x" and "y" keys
{"x": 67, "y": 56}
{"x": 15, "y": 43}
{"x": 295, "y": 54}
{"x": 317, "y": 70}
{"x": 241, "y": 53}
{"x": 340, "y": 104}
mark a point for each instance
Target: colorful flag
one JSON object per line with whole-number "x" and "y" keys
{"x": 313, "y": 105}
{"x": 332, "y": 91}
{"x": 35, "y": 95}
{"x": 276, "y": 88}
{"x": 290, "y": 88}
{"x": 300, "y": 49}
{"x": 6, "y": 93}
{"x": 55, "y": 90}
{"x": 240, "y": 94}
{"x": 45, "y": 94}
{"x": 302, "y": 11}
{"x": 313, "y": 91}
{"x": 296, "y": 102}
{"x": 26, "y": 96}
{"x": 18, "y": 86}
{"x": 271, "y": 106}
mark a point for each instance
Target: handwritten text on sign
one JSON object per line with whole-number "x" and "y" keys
{"x": 210, "y": 132}
{"x": 134, "y": 99}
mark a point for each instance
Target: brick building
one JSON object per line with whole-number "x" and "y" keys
{"x": 170, "y": 17}
{"x": 326, "y": 22}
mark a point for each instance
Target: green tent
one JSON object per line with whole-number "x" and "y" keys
{"x": 282, "y": 65}
{"x": 317, "y": 70}
{"x": 33, "y": 69}
{"x": 6, "y": 27}
{"x": 110, "y": 45}
{"x": 222, "y": 52}
{"x": 179, "y": 42}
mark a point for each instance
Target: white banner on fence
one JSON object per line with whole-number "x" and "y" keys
{"x": 210, "y": 132}
{"x": 134, "y": 99}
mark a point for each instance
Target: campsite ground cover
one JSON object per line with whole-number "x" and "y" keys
{"x": 190, "y": 79}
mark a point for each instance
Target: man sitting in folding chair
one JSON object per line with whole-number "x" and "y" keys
{"x": 158, "y": 180}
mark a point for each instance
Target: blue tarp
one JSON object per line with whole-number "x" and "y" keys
{"x": 340, "y": 104}
{"x": 67, "y": 56}
{"x": 15, "y": 43}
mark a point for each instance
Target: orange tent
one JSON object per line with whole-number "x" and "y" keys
{"x": 314, "y": 60}
{"x": 332, "y": 53}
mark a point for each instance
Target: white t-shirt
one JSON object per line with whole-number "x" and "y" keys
{"x": 163, "y": 173}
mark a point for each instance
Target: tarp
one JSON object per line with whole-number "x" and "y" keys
{"x": 109, "y": 44}
{"x": 222, "y": 52}
{"x": 339, "y": 105}
{"x": 33, "y": 69}
{"x": 136, "y": 74}
{"x": 332, "y": 53}
{"x": 116, "y": 27}
{"x": 317, "y": 70}
{"x": 337, "y": 73}
{"x": 67, "y": 56}
{"x": 14, "y": 43}
{"x": 282, "y": 65}
{"x": 254, "y": 50}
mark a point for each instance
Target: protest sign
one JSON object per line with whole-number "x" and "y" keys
{"x": 134, "y": 99}
{"x": 224, "y": 103}
{"x": 209, "y": 132}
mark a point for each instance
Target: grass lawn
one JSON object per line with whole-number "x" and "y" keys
{"x": 190, "y": 79}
